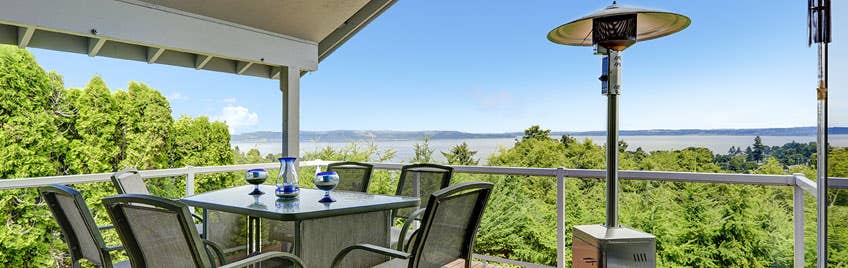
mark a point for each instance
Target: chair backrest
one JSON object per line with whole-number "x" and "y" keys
{"x": 353, "y": 176}
{"x": 450, "y": 224}
{"x": 421, "y": 180}
{"x": 156, "y": 232}
{"x": 128, "y": 181}
{"x": 78, "y": 227}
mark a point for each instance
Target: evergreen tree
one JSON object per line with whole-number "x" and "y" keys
{"x": 567, "y": 140}
{"x": 759, "y": 151}
{"x": 145, "y": 127}
{"x": 199, "y": 142}
{"x": 423, "y": 153}
{"x": 622, "y": 146}
{"x": 30, "y": 146}
{"x": 537, "y": 133}
{"x": 461, "y": 155}
{"x": 94, "y": 147}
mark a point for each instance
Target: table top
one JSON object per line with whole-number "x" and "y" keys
{"x": 306, "y": 206}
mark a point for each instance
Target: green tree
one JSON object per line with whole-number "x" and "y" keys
{"x": 536, "y": 132}
{"x": 145, "y": 126}
{"x": 567, "y": 140}
{"x": 93, "y": 144}
{"x": 758, "y": 152}
{"x": 423, "y": 153}
{"x": 461, "y": 155}
{"x": 771, "y": 166}
{"x": 30, "y": 146}
{"x": 199, "y": 142}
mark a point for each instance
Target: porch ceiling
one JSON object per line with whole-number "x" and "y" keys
{"x": 243, "y": 37}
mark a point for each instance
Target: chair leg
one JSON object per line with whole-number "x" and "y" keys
{"x": 286, "y": 246}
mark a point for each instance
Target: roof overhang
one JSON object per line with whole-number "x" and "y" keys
{"x": 253, "y": 38}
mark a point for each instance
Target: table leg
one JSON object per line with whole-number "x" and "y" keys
{"x": 205, "y": 224}
{"x": 297, "y": 238}
{"x": 254, "y": 235}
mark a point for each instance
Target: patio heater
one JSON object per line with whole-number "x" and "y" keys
{"x": 818, "y": 22}
{"x": 611, "y": 31}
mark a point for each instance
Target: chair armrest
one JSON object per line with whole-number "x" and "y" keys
{"x": 214, "y": 251}
{"x": 105, "y": 227}
{"x": 265, "y": 256}
{"x": 411, "y": 237}
{"x": 113, "y": 248}
{"x": 197, "y": 217}
{"x": 409, "y": 220}
{"x": 371, "y": 248}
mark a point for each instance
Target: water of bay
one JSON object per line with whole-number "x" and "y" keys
{"x": 486, "y": 147}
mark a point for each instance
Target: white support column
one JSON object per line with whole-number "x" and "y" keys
{"x": 290, "y": 87}
{"x": 560, "y": 226}
{"x": 798, "y": 222}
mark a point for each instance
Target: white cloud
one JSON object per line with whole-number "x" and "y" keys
{"x": 229, "y": 100}
{"x": 175, "y": 96}
{"x": 237, "y": 117}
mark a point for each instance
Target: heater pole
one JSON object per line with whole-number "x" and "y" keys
{"x": 613, "y": 62}
{"x": 821, "y": 161}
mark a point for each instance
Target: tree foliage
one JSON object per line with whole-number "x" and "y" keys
{"x": 460, "y": 154}
{"x": 46, "y": 129}
{"x": 423, "y": 153}
{"x": 30, "y": 146}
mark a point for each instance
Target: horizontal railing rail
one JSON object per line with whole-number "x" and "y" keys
{"x": 801, "y": 184}
{"x": 729, "y": 178}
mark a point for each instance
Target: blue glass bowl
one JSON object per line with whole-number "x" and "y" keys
{"x": 256, "y": 177}
{"x": 326, "y": 181}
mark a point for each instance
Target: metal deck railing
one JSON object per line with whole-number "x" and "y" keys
{"x": 801, "y": 186}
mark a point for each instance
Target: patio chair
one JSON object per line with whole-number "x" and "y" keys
{"x": 417, "y": 180}
{"x": 447, "y": 232}
{"x": 78, "y": 227}
{"x": 128, "y": 181}
{"x": 353, "y": 176}
{"x": 156, "y": 232}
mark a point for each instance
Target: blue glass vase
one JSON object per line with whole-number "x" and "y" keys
{"x": 287, "y": 183}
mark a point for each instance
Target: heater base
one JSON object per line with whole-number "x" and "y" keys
{"x": 599, "y": 246}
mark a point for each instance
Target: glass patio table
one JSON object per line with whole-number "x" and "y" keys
{"x": 320, "y": 229}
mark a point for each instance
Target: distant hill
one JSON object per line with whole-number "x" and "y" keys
{"x": 794, "y": 131}
{"x": 389, "y": 135}
{"x": 376, "y": 135}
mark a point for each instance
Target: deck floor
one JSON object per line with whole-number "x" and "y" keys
{"x": 460, "y": 263}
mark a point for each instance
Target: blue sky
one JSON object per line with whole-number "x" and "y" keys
{"x": 486, "y": 66}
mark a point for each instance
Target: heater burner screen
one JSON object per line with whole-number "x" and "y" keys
{"x": 614, "y": 28}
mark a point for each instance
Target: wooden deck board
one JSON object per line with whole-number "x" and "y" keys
{"x": 460, "y": 263}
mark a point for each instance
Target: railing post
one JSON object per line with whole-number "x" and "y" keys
{"x": 560, "y": 217}
{"x": 798, "y": 222}
{"x": 318, "y": 167}
{"x": 189, "y": 190}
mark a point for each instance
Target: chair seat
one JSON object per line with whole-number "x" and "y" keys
{"x": 395, "y": 234}
{"x": 394, "y": 263}
{"x": 123, "y": 264}
{"x": 459, "y": 263}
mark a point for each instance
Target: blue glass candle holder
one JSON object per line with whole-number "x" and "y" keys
{"x": 256, "y": 177}
{"x": 326, "y": 181}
